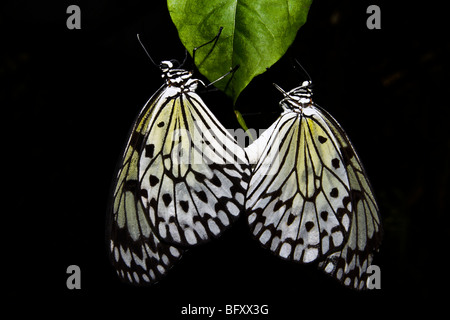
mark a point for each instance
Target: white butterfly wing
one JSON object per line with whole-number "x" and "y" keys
{"x": 137, "y": 254}
{"x": 192, "y": 173}
{"x": 181, "y": 181}
{"x": 298, "y": 200}
{"x": 349, "y": 265}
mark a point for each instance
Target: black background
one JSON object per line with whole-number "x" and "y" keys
{"x": 69, "y": 97}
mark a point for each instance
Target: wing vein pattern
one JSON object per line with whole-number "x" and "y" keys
{"x": 309, "y": 198}
{"x": 181, "y": 182}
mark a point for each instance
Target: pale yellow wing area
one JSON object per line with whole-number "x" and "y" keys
{"x": 192, "y": 173}
{"x": 137, "y": 254}
{"x": 298, "y": 200}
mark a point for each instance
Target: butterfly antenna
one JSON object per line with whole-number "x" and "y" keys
{"x": 233, "y": 71}
{"x": 185, "y": 58}
{"x": 212, "y": 40}
{"x": 281, "y": 90}
{"x": 143, "y": 47}
{"x": 220, "y": 78}
{"x": 304, "y": 70}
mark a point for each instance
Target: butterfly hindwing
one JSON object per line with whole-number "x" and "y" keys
{"x": 349, "y": 265}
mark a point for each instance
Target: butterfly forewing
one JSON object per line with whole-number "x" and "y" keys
{"x": 193, "y": 182}
{"x": 297, "y": 201}
{"x": 137, "y": 254}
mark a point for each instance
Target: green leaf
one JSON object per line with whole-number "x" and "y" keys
{"x": 256, "y": 34}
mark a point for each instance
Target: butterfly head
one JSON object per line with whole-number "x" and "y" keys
{"x": 298, "y": 98}
{"x": 304, "y": 91}
{"x": 172, "y": 75}
{"x": 165, "y": 66}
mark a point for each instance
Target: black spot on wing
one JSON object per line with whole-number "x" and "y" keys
{"x": 335, "y": 163}
{"x": 130, "y": 185}
{"x": 346, "y": 201}
{"x": 347, "y": 154}
{"x": 334, "y": 193}
{"x": 356, "y": 196}
{"x": 149, "y": 150}
{"x": 199, "y": 176}
{"x": 167, "y": 199}
{"x": 153, "y": 180}
{"x": 291, "y": 219}
{"x": 216, "y": 181}
{"x": 322, "y": 139}
{"x": 184, "y": 205}
{"x": 136, "y": 140}
{"x": 278, "y": 205}
{"x": 340, "y": 212}
{"x": 309, "y": 225}
{"x": 202, "y": 196}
